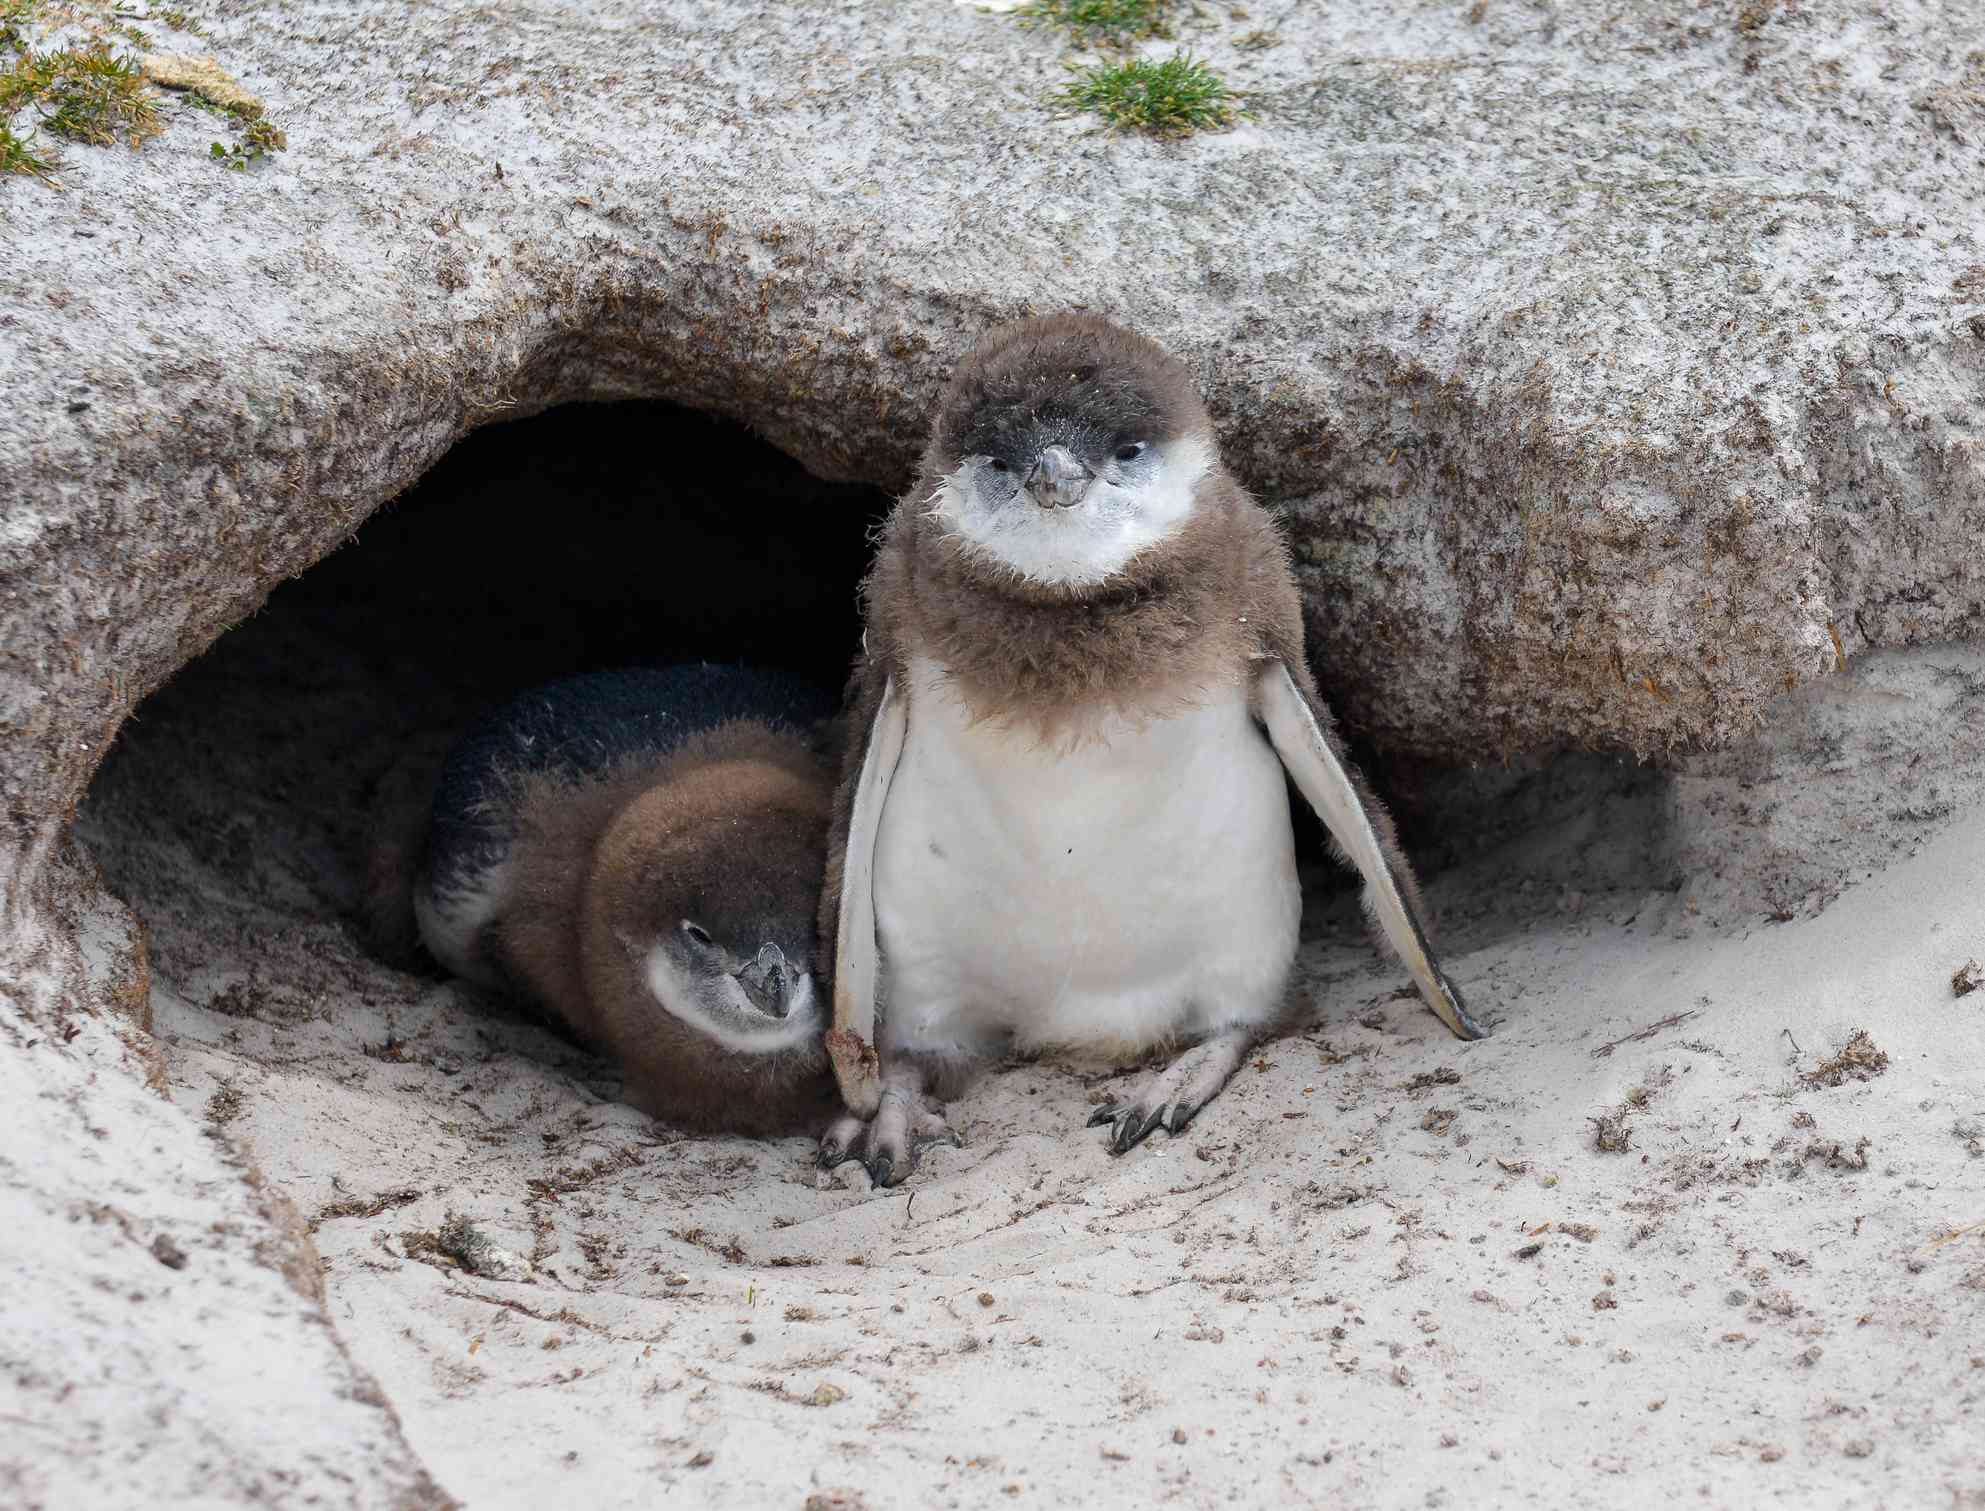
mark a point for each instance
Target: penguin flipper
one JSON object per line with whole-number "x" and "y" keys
{"x": 857, "y": 956}
{"x": 1300, "y": 729}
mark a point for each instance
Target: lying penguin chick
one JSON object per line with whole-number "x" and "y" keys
{"x": 641, "y": 854}
{"x": 1063, "y": 818}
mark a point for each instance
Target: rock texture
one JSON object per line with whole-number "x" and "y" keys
{"x": 1617, "y": 367}
{"x": 1615, "y": 370}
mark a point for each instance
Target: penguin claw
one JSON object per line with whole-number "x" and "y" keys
{"x": 837, "y": 1144}
{"x": 888, "y": 1145}
{"x": 1172, "y": 1098}
{"x": 1133, "y": 1126}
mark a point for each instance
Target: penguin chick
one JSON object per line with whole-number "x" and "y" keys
{"x": 1063, "y": 819}
{"x": 640, "y": 853}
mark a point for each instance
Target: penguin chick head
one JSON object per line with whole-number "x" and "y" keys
{"x": 749, "y": 1001}
{"x": 1064, "y": 447}
{"x": 709, "y": 886}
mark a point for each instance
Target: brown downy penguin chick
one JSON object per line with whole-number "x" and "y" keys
{"x": 1063, "y": 818}
{"x": 640, "y": 853}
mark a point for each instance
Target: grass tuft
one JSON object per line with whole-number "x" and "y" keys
{"x": 1103, "y": 23}
{"x": 205, "y": 85}
{"x": 17, "y": 157}
{"x": 86, "y": 94}
{"x": 1171, "y": 98}
{"x": 258, "y": 139}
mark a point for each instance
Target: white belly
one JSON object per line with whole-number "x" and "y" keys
{"x": 452, "y": 921}
{"x": 1137, "y": 885}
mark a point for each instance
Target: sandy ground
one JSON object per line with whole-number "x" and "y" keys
{"x": 1384, "y": 1268}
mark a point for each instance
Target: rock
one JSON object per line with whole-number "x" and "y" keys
{"x": 1602, "y": 404}
{"x": 1615, "y": 370}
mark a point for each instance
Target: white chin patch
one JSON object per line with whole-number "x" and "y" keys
{"x": 718, "y": 1008}
{"x": 1093, "y": 541}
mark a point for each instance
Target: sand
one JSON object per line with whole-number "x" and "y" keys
{"x": 1383, "y": 1268}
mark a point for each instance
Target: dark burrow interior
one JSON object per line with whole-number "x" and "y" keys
{"x": 592, "y": 536}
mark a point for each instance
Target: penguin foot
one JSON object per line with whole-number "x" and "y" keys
{"x": 1171, "y": 1098}
{"x": 906, "y": 1124}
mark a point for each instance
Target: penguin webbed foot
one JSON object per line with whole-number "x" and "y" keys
{"x": 1171, "y": 1098}
{"x": 888, "y": 1145}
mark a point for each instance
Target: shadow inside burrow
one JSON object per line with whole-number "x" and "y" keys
{"x": 591, "y": 536}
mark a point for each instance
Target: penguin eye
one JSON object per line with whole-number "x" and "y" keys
{"x": 996, "y": 464}
{"x": 697, "y": 934}
{"x": 1130, "y": 452}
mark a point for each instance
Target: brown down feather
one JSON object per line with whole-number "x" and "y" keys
{"x": 1201, "y": 609}
{"x": 730, "y": 826}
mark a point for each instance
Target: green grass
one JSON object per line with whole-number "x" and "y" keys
{"x": 84, "y": 91}
{"x": 16, "y": 157}
{"x": 259, "y": 136}
{"x": 1171, "y": 98}
{"x": 86, "y": 94}
{"x": 1107, "y": 23}
{"x": 258, "y": 139}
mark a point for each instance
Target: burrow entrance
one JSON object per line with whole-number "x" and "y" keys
{"x": 235, "y": 811}
{"x": 641, "y": 533}
{"x": 592, "y": 536}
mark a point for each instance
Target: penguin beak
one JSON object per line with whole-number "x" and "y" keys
{"x": 1058, "y": 479}
{"x": 769, "y": 981}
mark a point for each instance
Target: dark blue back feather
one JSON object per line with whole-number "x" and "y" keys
{"x": 583, "y": 725}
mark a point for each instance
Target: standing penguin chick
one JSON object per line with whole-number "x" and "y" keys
{"x": 640, "y": 852}
{"x": 1063, "y": 819}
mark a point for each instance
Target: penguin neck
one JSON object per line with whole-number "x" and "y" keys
{"x": 1150, "y": 639}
